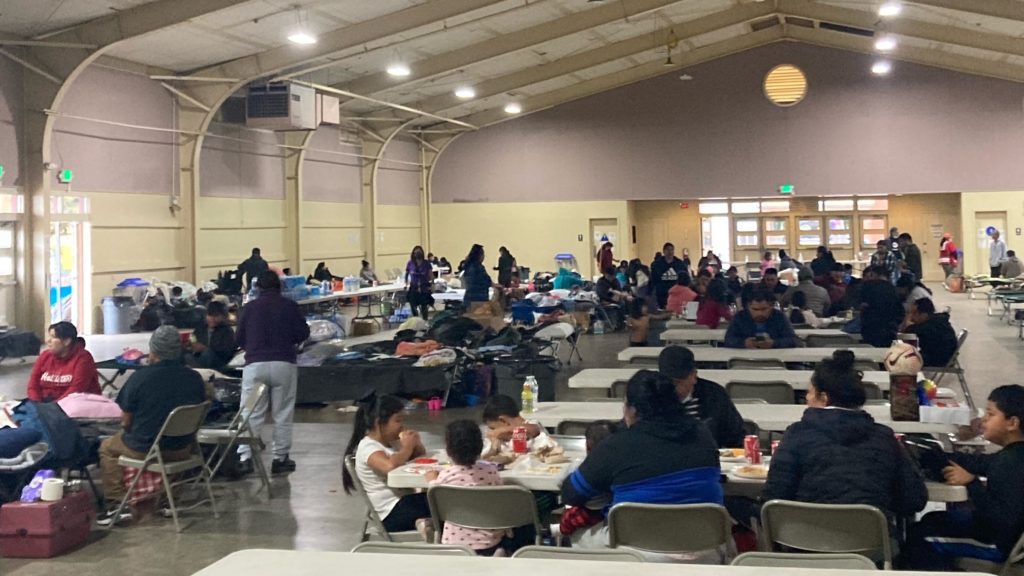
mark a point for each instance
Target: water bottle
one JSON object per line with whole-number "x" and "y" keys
{"x": 534, "y": 387}
{"x": 527, "y": 398}
{"x": 599, "y": 327}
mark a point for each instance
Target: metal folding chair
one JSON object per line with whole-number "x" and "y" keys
{"x": 557, "y": 553}
{"x": 1009, "y": 567}
{"x": 810, "y": 561}
{"x": 671, "y": 528}
{"x": 755, "y": 364}
{"x": 483, "y": 507}
{"x": 771, "y": 391}
{"x": 953, "y": 367}
{"x": 372, "y": 519}
{"x": 238, "y": 432}
{"x": 182, "y": 421}
{"x": 414, "y": 548}
{"x": 834, "y": 528}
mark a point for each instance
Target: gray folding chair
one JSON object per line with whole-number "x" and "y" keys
{"x": 810, "y": 561}
{"x": 571, "y": 443}
{"x": 872, "y": 391}
{"x": 755, "y": 364}
{"x": 557, "y": 553}
{"x": 833, "y": 528}
{"x": 420, "y": 548}
{"x": 238, "y": 432}
{"x": 483, "y": 507}
{"x": 671, "y": 528}
{"x": 183, "y": 421}
{"x": 1012, "y": 566}
{"x": 771, "y": 391}
{"x": 831, "y": 341}
{"x": 618, "y": 389}
{"x": 953, "y": 367}
{"x": 864, "y": 365}
{"x": 749, "y": 401}
{"x": 372, "y": 520}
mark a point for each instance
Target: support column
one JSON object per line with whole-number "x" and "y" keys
{"x": 293, "y": 192}
{"x": 432, "y": 150}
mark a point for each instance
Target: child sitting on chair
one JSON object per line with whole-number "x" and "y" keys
{"x": 501, "y": 416}
{"x": 579, "y": 518}
{"x": 991, "y": 529}
{"x": 464, "y": 443}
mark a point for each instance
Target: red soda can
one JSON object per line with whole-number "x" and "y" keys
{"x": 752, "y": 449}
{"x": 520, "y": 440}
{"x": 775, "y": 446}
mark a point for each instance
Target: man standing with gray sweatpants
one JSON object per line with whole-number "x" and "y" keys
{"x": 269, "y": 330}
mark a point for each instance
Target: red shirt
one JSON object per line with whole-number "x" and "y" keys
{"x": 711, "y": 312}
{"x": 54, "y": 378}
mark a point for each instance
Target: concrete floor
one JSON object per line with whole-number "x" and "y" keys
{"x": 310, "y": 511}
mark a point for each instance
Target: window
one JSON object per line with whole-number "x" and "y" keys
{"x": 839, "y": 232}
{"x": 810, "y": 232}
{"x": 746, "y": 207}
{"x": 872, "y": 229}
{"x": 69, "y": 205}
{"x": 872, "y": 204}
{"x": 785, "y": 85}
{"x": 12, "y": 203}
{"x": 775, "y": 232}
{"x": 835, "y": 205}
{"x": 775, "y": 206}
{"x": 713, "y": 208}
{"x": 747, "y": 232}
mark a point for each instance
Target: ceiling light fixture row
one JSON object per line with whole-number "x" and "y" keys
{"x": 301, "y": 34}
{"x": 886, "y": 43}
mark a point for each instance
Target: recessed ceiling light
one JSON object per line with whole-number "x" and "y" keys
{"x": 513, "y": 108}
{"x": 885, "y": 44}
{"x": 465, "y": 92}
{"x": 399, "y": 69}
{"x": 301, "y": 37}
{"x": 686, "y": 77}
{"x": 890, "y": 9}
{"x": 881, "y": 68}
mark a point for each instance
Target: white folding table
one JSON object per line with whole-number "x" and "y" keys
{"x": 723, "y": 355}
{"x": 604, "y": 378}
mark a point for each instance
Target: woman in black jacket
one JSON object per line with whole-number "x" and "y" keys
{"x": 837, "y": 454}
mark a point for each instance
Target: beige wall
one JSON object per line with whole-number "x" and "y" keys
{"x": 660, "y": 221}
{"x": 398, "y": 231}
{"x": 230, "y": 227}
{"x": 332, "y": 232}
{"x": 134, "y": 235}
{"x": 976, "y": 258}
{"x": 533, "y": 232}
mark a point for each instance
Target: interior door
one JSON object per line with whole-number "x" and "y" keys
{"x": 603, "y": 230}
{"x": 983, "y": 222}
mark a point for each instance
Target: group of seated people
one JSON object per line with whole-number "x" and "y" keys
{"x": 665, "y": 451}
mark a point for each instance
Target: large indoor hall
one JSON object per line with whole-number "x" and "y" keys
{"x": 723, "y": 287}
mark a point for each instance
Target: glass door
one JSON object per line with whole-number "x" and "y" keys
{"x": 68, "y": 255}
{"x": 715, "y": 236}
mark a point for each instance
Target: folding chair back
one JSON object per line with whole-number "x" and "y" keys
{"x": 953, "y": 367}
{"x": 412, "y": 548}
{"x": 669, "y": 528}
{"x": 771, "y": 391}
{"x": 830, "y": 341}
{"x": 872, "y": 391}
{"x": 372, "y": 519}
{"x": 572, "y": 427}
{"x": 571, "y": 443}
{"x": 756, "y": 364}
{"x": 239, "y": 431}
{"x": 850, "y": 528}
{"x": 183, "y": 421}
{"x": 554, "y": 553}
{"x": 483, "y": 507}
{"x": 1011, "y": 567}
{"x": 810, "y": 561}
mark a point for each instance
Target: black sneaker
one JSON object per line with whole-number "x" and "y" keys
{"x": 107, "y": 518}
{"x": 282, "y": 466}
{"x": 244, "y": 468}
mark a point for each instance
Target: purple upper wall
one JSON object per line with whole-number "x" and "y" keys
{"x": 920, "y": 129}
{"x": 11, "y": 115}
{"x": 399, "y": 183}
{"x": 243, "y": 164}
{"x": 110, "y": 158}
{"x": 331, "y": 177}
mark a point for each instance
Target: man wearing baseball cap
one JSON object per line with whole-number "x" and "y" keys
{"x": 149, "y": 395}
{"x": 702, "y": 399}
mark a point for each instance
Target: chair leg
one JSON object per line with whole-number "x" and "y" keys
{"x": 169, "y": 490}
{"x": 206, "y": 476}
{"x": 261, "y": 468}
{"x": 124, "y": 499}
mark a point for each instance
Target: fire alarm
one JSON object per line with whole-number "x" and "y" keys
{"x": 684, "y": 205}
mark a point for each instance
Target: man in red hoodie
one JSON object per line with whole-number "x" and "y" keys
{"x": 64, "y": 367}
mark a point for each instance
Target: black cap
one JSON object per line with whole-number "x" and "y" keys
{"x": 676, "y": 362}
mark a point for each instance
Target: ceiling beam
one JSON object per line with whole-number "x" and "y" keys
{"x": 139, "y": 20}
{"x": 506, "y": 43}
{"x": 604, "y": 54}
{"x": 1007, "y": 9}
{"x": 925, "y": 56}
{"x": 903, "y": 26}
{"x": 636, "y": 74}
{"x": 277, "y": 60}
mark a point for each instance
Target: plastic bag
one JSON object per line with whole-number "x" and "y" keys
{"x": 34, "y": 490}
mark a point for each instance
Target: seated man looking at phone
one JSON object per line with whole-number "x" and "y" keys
{"x": 760, "y": 325}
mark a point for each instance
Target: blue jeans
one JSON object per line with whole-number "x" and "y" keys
{"x": 281, "y": 379}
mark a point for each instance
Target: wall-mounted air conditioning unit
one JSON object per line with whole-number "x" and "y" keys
{"x": 281, "y": 106}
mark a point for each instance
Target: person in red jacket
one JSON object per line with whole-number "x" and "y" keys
{"x": 64, "y": 367}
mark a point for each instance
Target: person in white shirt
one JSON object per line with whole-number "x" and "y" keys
{"x": 379, "y": 427}
{"x": 996, "y": 255}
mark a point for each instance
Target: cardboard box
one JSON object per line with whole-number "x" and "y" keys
{"x": 364, "y": 327}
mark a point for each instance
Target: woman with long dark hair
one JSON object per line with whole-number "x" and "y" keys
{"x": 475, "y": 278}
{"x": 419, "y": 279}
{"x": 506, "y": 264}
{"x": 379, "y": 428}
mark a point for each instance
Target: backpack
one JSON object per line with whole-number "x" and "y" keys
{"x": 61, "y": 434}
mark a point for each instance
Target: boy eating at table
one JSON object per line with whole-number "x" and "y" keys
{"x": 991, "y": 529}
{"x": 501, "y": 416}
{"x": 464, "y": 443}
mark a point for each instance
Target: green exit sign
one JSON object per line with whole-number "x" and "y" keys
{"x": 786, "y": 189}
{"x": 1, "y": 171}
{"x": 65, "y": 176}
